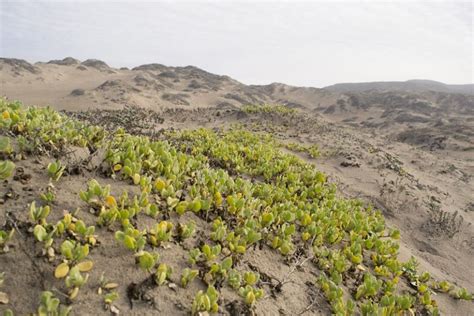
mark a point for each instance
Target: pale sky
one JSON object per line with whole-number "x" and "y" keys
{"x": 315, "y": 43}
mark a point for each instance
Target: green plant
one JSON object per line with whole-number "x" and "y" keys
{"x": 162, "y": 274}
{"x": 3, "y": 296}
{"x": 72, "y": 276}
{"x": 334, "y": 295}
{"x": 206, "y": 301}
{"x": 108, "y": 216}
{"x": 96, "y": 195}
{"x": 5, "y": 237}
{"x": 185, "y": 231}
{"x": 131, "y": 238}
{"x": 146, "y": 260}
{"x": 369, "y": 288}
{"x": 194, "y": 256}
{"x": 218, "y": 271}
{"x": 5, "y": 145}
{"x": 73, "y": 251}
{"x": 180, "y": 207}
{"x": 66, "y": 223}
{"x": 39, "y": 215}
{"x": 210, "y": 253}
{"x": 8, "y": 312}
{"x": 188, "y": 276}
{"x": 48, "y": 197}
{"x": 55, "y": 170}
{"x": 425, "y": 299}
{"x": 410, "y": 268}
{"x": 105, "y": 285}
{"x": 268, "y": 108}
{"x": 369, "y": 308}
{"x": 395, "y": 234}
{"x": 51, "y": 306}
{"x": 161, "y": 233}
{"x": 25, "y": 145}
{"x": 443, "y": 286}
{"x": 131, "y": 170}
{"x": 83, "y": 232}
{"x": 236, "y": 243}
{"x": 424, "y": 277}
{"x": 206, "y": 254}
{"x": 42, "y": 235}
{"x": 251, "y": 278}
{"x": 404, "y": 302}
{"x": 463, "y": 294}
{"x": 312, "y": 150}
{"x": 109, "y": 298}
{"x": 152, "y": 210}
{"x": 6, "y": 169}
{"x": 219, "y": 230}
{"x": 234, "y": 279}
{"x": 251, "y": 294}
{"x": 74, "y": 281}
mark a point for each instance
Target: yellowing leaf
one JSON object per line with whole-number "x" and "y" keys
{"x": 110, "y": 286}
{"x": 160, "y": 185}
{"x": 117, "y": 167}
{"x": 361, "y": 267}
{"x": 85, "y": 266}
{"x": 110, "y": 201}
{"x": 4, "y": 298}
{"x": 136, "y": 178}
{"x": 218, "y": 198}
{"x": 92, "y": 241}
{"x": 305, "y": 236}
{"x": 61, "y": 270}
{"x": 74, "y": 293}
{"x": 250, "y": 298}
{"x": 129, "y": 242}
{"x": 6, "y": 115}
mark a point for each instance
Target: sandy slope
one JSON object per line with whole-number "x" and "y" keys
{"x": 410, "y": 154}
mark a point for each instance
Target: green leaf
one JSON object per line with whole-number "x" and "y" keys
{"x": 226, "y": 264}
{"x": 146, "y": 261}
{"x": 6, "y": 169}
{"x": 5, "y": 145}
{"x": 40, "y": 233}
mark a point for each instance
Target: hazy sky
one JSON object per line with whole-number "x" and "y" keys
{"x": 301, "y": 43}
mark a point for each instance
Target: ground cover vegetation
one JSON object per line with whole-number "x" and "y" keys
{"x": 250, "y": 194}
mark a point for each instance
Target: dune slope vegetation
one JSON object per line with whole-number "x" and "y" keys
{"x": 97, "y": 221}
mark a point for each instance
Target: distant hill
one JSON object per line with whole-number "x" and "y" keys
{"x": 416, "y": 85}
{"x": 70, "y": 84}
